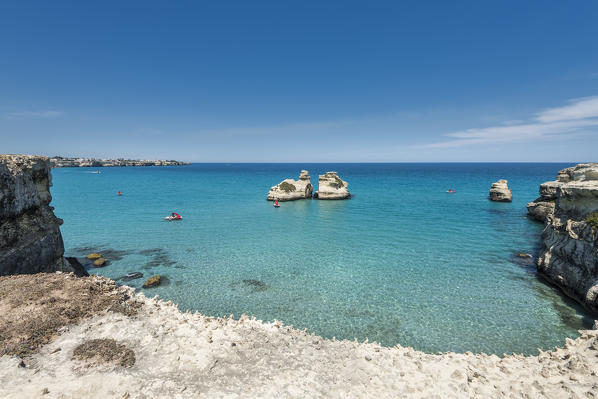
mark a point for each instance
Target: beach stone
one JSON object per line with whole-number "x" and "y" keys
{"x": 153, "y": 281}
{"x": 500, "y": 192}
{"x": 94, "y": 256}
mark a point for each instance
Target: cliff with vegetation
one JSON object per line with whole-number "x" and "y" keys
{"x": 30, "y": 239}
{"x": 569, "y": 255}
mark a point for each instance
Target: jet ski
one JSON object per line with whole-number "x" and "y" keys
{"x": 174, "y": 216}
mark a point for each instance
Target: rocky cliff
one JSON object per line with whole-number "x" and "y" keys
{"x": 569, "y": 255}
{"x": 330, "y": 186}
{"x": 290, "y": 190}
{"x": 30, "y": 239}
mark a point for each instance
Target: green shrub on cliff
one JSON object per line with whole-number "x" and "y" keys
{"x": 284, "y": 186}
{"x": 592, "y": 220}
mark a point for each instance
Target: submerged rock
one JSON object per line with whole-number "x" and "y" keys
{"x": 331, "y": 187}
{"x": 256, "y": 285}
{"x": 569, "y": 255}
{"x": 290, "y": 190}
{"x": 500, "y": 192}
{"x": 94, "y": 256}
{"x": 99, "y": 262}
{"x": 131, "y": 276}
{"x": 153, "y": 281}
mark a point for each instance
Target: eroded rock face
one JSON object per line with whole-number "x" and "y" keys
{"x": 543, "y": 206}
{"x": 569, "y": 256}
{"x": 540, "y": 209}
{"x": 500, "y": 192}
{"x": 331, "y": 187}
{"x": 290, "y": 190}
{"x": 30, "y": 239}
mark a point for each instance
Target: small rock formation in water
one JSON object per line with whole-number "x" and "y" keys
{"x": 500, "y": 192}
{"x": 99, "y": 262}
{"x": 331, "y": 187}
{"x": 30, "y": 239}
{"x": 153, "y": 281}
{"x": 290, "y": 190}
{"x": 569, "y": 255}
{"x": 94, "y": 256}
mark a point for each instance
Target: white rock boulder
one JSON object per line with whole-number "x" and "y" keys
{"x": 500, "y": 192}
{"x": 331, "y": 187}
{"x": 290, "y": 190}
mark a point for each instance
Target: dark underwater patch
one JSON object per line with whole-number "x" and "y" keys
{"x": 252, "y": 285}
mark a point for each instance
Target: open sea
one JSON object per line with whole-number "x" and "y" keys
{"x": 402, "y": 262}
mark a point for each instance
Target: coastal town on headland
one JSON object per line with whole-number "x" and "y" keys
{"x": 65, "y": 162}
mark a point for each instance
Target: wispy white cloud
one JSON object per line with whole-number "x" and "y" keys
{"x": 556, "y": 122}
{"x": 35, "y": 114}
{"x": 578, "y": 109}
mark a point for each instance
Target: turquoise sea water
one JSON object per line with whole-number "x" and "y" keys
{"x": 401, "y": 262}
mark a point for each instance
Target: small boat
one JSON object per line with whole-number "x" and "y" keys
{"x": 96, "y": 172}
{"x": 276, "y": 205}
{"x": 451, "y": 191}
{"x": 174, "y": 216}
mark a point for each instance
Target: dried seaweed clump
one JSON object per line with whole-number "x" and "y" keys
{"x": 101, "y": 351}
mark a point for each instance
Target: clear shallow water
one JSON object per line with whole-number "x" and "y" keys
{"x": 402, "y": 262}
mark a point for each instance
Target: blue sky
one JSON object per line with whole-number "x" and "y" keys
{"x": 309, "y": 81}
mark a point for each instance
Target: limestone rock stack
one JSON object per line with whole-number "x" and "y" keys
{"x": 569, "y": 255}
{"x": 500, "y": 191}
{"x": 290, "y": 190}
{"x": 30, "y": 239}
{"x": 331, "y": 187}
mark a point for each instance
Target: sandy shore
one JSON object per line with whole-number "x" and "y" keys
{"x": 185, "y": 355}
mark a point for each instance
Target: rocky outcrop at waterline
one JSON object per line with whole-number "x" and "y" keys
{"x": 332, "y": 187}
{"x": 541, "y": 207}
{"x": 30, "y": 239}
{"x": 569, "y": 255}
{"x": 290, "y": 190}
{"x": 500, "y": 191}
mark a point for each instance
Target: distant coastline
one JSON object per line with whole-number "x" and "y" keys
{"x": 63, "y": 162}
